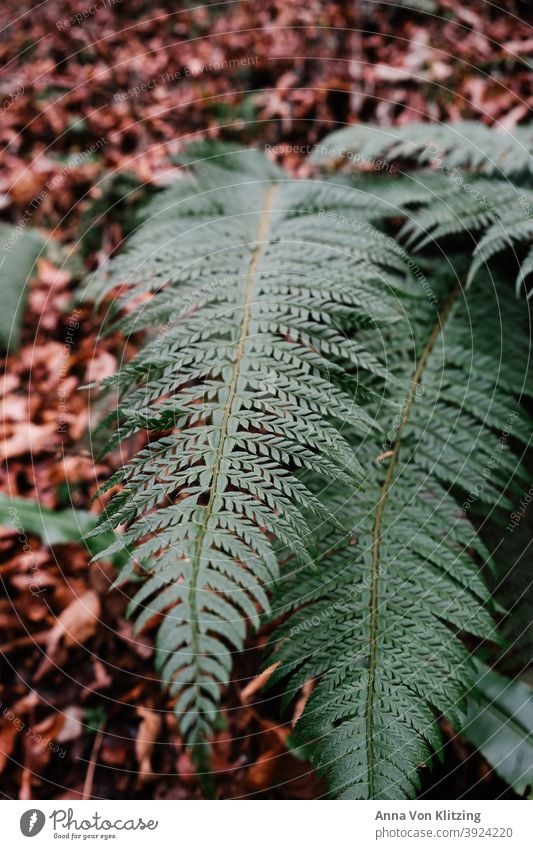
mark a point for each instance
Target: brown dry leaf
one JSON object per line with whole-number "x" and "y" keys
{"x": 307, "y": 689}
{"x": 140, "y": 645}
{"x": 51, "y": 276}
{"x": 14, "y": 408}
{"x": 8, "y": 736}
{"x": 72, "y": 727}
{"x": 525, "y": 46}
{"x": 512, "y": 118}
{"x": 257, "y": 683}
{"x": 29, "y": 438}
{"x": 263, "y": 773}
{"x": 147, "y": 735}
{"x": 25, "y": 785}
{"x": 74, "y": 625}
{"x": 185, "y": 769}
{"x": 78, "y": 621}
{"x": 36, "y": 744}
{"x": 8, "y": 383}
{"x": 49, "y": 727}
{"x": 76, "y": 468}
{"x": 114, "y": 752}
{"x": 101, "y": 679}
{"x": 27, "y": 185}
{"x": 27, "y": 703}
{"x": 391, "y": 73}
{"x": 102, "y": 365}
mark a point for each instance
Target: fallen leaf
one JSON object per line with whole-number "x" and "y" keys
{"x": 74, "y": 626}
{"x": 147, "y": 735}
{"x": 29, "y": 438}
{"x": 257, "y": 683}
{"x": 73, "y": 726}
{"x": 8, "y": 737}
{"x": 307, "y": 689}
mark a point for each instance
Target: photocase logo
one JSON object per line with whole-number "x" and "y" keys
{"x": 32, "y": 822}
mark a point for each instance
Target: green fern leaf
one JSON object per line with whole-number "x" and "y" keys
{"x": 461, "y": 190}
{"x": 379, "y": 629}
{"x": 249, "y": 377}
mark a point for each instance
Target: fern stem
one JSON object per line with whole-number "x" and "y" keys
{"x": 376, "y": 535}
{"x": 228, "y": 408}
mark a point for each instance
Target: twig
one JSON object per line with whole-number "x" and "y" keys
{"x": 89, "y": 778}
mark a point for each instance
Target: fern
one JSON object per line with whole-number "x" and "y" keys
{"x": 495, "y": 214}
{"x": 246, "y": 384}
{"x": 448, "y": 198}
{"x": 379, "y": 629}
{"x": 463, "y": 144}
{"x": 257, "y": 398}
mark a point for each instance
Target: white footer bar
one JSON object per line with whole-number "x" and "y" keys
{"x": 267, "y": 824}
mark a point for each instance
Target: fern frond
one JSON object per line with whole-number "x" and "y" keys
{"x": 525, "y": 270}
{"x": 379, "y": 629}
{"x": 445, "y": 198}
{"x": 495, "y": 214}
{"x": 513, "y": 226}
{"x": 462, "y": 144}
{"x": 246, "y": 386}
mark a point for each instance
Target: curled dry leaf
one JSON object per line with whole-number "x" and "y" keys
{"x": 257, "y": 682}
{"x": 102, "y": 365}
{"x": 384, "y": 456}
{"x": 147, "y": 735}
{"x": 264, "y": 773}
{"x": 77, "y": 622}
{"x": 307, "y": 689}
{"x": 38, "y": 744}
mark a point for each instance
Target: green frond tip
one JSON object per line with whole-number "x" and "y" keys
{"x": 471, "y": 183}
{"x": 380, "y": 631}
{"x": 495, "y": 213}
{"x": 252, "y": 369}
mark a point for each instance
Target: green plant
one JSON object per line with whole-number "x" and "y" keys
{"x": 258, "y": 305}
{"x": 500, "y": 724}
{"x": 463, "y": 144}
{"x": 19, "y": 250}
{"x": 497, "y": 214}
{"x": 55, "y": 527}
{"x": 283, "y": 327}
{"x": 381, "y": 637}
{"x": 472, "y": 182}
